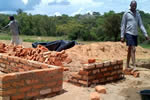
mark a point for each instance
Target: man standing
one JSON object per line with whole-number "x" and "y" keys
{"x": 14, "y": 30}
{"x": 129, "y": 30}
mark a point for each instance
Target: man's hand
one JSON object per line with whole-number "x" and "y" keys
{"x": 147, "y": 38}
{"x": 122, "y": 40}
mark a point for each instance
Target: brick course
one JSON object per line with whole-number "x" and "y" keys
{"x": 23, "y": 79}
{"x": 98, "y": 73}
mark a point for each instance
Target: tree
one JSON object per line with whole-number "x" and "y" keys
{"x": 111, "y": 26}
{"x": 19, "y": 11}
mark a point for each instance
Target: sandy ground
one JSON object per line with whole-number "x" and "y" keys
{"x": 125, "y": 89}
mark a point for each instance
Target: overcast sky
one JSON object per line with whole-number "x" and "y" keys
{"x": 69, "y": 7}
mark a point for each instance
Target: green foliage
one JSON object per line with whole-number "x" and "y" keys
{"x": 87, "y": 27}
{"x": 111, "y": 26}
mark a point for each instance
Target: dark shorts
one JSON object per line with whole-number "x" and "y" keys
{"x": 131, "y": 40}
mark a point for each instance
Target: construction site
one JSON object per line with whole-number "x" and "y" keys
{"x": 91, "y": 71}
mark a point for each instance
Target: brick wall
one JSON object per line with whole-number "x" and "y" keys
{"x": 96, "y": 73}
{"x": 23, "y": 79}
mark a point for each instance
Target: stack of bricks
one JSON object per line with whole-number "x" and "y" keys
{"x": 40, "y": 54}
{"x": 98, "y": 73}
{"x": 24, "y": 79}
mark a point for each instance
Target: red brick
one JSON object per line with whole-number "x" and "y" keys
{"x": 31, "y": 81}
{"x": 72, "y": 80}
{"x": 100, "y": 89}
{"x": 77, "y": 76}
{"x": 110, "y": 68}
{"x": 25, "y": 89}
{"x": 68, "y": 60}
{"x": 7, "y": 92}
{"x": 23, "y": 61}
{"x": 59, "y": 82}
{"x": 51, "y": 84}
{"x": 107, "y": 74}
{"x": 8, "y": 77}
{"x": 5, "y": 57}
{"x": 40, "y": 73}
{"x": 100, "y": 75}
{"x": 1, "y": 60}
{"x": 110, "y": 78}
{"x": 66, "y": 68}
{"x": 33, "y": 93}
{"x": 121, "y": 66}
{"x": 83, "y": 82}
{"x": 41, "y": 59}
{"x": 14, "y": 69}
{"x": 84, "y": 77}
{"x": 136, "y": 74}
{"x": 88, "y": 66}
{"x": 21, "y": 70}
{"x": 18, "y": 83}
{"x": 94, "y": 96}
{"x": 120, "y": 71}
{"x": 44, "y": 66}
{"x": 127, "y": 72}
{"x": 26, "y": 68}
{"x": 5, "y": 85}
{"x": 38, "y": 86}
{"x": 103, "y": 69}
{"x": 102, "y": 80}
{"x": 113, "y": 72}
{"x": 91, "y": 77}
{"x": 58, "y": 63}
{"x": 91, "y": 61}
{"x": 95, "y": 81}
{"x": 83, "y": 72}
{"x": 17, "y": 59}
{"x": 16, "y": 97}
{"x": 119, "y": 61}
{"x": 25, "y": 75}
{"x": 95, "y": 71}
{"x": 12, "y": 64}
{"x": 5, "y": 62}
{"x": 116, "y": 77}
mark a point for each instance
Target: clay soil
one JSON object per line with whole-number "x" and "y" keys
{"x": 125, "y": 89}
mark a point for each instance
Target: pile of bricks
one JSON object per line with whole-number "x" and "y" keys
{"x": 130, "y": 71}
{"x": 96, "y": 73}
{"x": 40, "y": 54}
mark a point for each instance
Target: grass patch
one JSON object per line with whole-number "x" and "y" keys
{"x": 26, "y": 38}
{"x": 147, "y": 46}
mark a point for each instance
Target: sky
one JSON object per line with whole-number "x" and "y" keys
{"x": 69, "y": 7}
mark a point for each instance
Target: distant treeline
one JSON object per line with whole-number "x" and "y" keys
{"x": 87, "y": 27}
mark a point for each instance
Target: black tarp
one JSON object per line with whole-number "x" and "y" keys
{"x": 58, "y": 45}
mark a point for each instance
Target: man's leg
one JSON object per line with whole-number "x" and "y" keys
{"x": 133, "y": 55}
{"x": 129, "y": 56}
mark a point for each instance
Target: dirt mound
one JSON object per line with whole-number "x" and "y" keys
{"x": 104, "y": 51}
